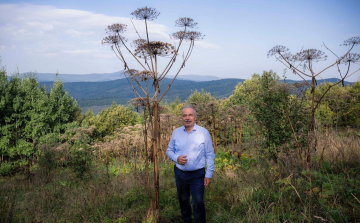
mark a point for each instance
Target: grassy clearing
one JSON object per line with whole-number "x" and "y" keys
{"x": 245, "y": 189}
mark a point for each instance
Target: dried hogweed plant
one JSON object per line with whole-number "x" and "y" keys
{"x": 147, "y": 53}
{"x": 305, "y": 59}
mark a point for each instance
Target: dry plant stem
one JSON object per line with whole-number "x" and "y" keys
{"x": 168, "y": 88}
{"x": 171, "y": 63}
{"x": 182, "y": 66}
{"x": 120, "y": 53}
{"x": 147, "y": 164}
{"x": 156, "y": 164}
{"x": 133, "y": 87}
{"x": 292, "y": 128}
{"x": 292, "y": 67}
{"x": 305, "y": 217}
{"x": 330, "y": 50}
{"x": 297, "y": 193}
{"x": 354, "y": 72}
{"x": 131, "y": 73}
{"x": 150, "y": 54}
{"x": 333, "y": 86}
{"x": 355, "y": 198}
{"x": 117, "y": 55}
{"x": 172, "y": 60}
{"x": 135, "y": 29}
{"x": 132, "y": 53}
{"x": 321, "y": 157}
{"x": 339, "y": 70}
{"x": 337, "y": 60}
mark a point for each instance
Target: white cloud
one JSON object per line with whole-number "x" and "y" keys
{"x": 47, "y": 38}
{"x": 206, "y": 45}
{"x": 51, "y": 31}
{"x": 40, "y": 25}
{"x": 74, "y": 33}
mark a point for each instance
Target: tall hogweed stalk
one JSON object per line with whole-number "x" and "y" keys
{"x": 302, "y": 63}
{"x": 146, "y": 53}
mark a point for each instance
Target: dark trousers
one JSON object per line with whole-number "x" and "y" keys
{"x": 186, "y": 182}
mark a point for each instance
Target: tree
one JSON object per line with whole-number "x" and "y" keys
{"x": 27, "y": 113}
{"x": 117, "y": 116}
{"x": 306, "y": 59}
{"x": 147, "y": 54}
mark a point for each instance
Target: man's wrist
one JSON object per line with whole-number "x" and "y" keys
{"x": 208, "y": 175}
{"x": 176, "y": 159}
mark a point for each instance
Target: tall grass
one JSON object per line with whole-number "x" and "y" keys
{"x": 245, "y": 188}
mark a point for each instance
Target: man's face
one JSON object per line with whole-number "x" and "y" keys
{"x": 188, "y": 118}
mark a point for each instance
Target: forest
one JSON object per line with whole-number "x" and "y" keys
{"x": 59, "y": 165}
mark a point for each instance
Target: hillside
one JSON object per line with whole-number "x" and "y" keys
{"x": 104, "y": 93}
{"x": 101, "y": 77}
{"x": 98, "y": 95}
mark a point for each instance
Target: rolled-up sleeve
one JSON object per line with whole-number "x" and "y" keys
{"x": 209, "y": 156}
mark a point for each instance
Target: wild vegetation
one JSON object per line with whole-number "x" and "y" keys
{"x": 284, "y": 152}
{"x": 93, "y": 168}
{"x": 150, "y": 76}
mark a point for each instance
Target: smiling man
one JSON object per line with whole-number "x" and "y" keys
{"x": 190, "y": 147}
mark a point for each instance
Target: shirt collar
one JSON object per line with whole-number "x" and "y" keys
{"x": 194, "y": 129}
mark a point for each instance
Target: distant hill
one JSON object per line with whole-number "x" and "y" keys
{"x": 197, "y": 78}
{"x": 102, "y": 94}
{"x": 101, "y": 77}
{"x": 50, "y": 77}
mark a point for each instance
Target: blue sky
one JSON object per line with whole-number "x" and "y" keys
{"x": 65, "y": 36}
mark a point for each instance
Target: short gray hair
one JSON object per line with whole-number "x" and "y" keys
{"x": 189, "y": 106}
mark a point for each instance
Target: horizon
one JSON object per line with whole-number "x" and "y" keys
{"x": 185, "y": 75}
{"x": 65, "y": 37}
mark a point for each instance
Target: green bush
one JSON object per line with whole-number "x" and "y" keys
{"x": 5, "y": 168}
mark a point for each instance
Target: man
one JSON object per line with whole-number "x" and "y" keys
{"x": 190, "y": 147}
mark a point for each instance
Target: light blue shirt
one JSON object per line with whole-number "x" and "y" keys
{"x": 196, "y": 145}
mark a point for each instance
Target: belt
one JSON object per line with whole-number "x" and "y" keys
{"x": 189, "y": 171}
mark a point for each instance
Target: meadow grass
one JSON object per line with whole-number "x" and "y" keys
{"x": 244, "y": 189}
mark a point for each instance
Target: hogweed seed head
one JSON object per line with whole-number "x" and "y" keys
{"x": 116, "y": 28}
{"x": 130, "y": 73}
{"x": 144, "y": 75}
{"x": 352, "y": 41}
{"x": 310, "y": 55}
{"x": 277, "y": 50}
{"x": 157, "y": 48}
{"x": 179, "y": 35}
{"x": 351, "y": 58}
{"x": 145, "y": 13}
{"x": 140, "y": 102}
{"x": 193, "y": 36}
{"x": 186, "y": 22}
{"x": 113, "y": 40}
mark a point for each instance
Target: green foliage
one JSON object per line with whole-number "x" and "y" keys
{"x": 198, "y": 97}
{"x": 80, "y": 151}
{"x": 233, "y": 160}
{"x": 246, "y": 92}
{"x": 245, "y": 188}
{"x": 339, "y": 107}
{"x": 5, "y": 168}
{"x": 272, "y": 105}
{"x": 27, "y": 113}
{"x": 108, "y": 120}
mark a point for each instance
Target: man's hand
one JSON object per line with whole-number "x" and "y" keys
{"x": 207, "y": 181}
{"x": 181, "y": 160}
